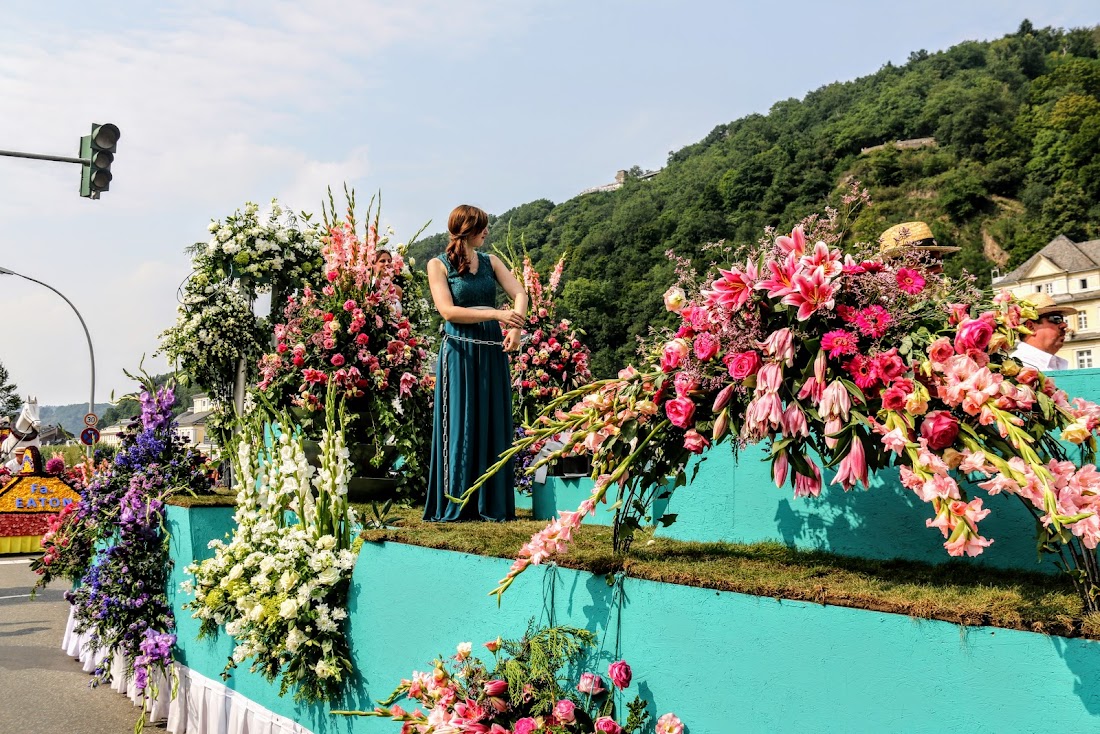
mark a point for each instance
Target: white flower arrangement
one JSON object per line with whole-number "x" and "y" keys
{"x": 279, "y": 587}
{"x": 216, "y": 327}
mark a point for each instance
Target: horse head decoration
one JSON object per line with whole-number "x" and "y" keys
{"x": 24, "y": 433}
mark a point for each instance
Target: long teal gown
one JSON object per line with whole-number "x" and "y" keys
{"x": 473, "y": 409}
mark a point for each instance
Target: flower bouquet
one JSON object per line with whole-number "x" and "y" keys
{"x": 362, "y": 333}
{"x": 216, "y": 327}
{"x": 522, "y": 693}
{"x": 279, "y": 586}
{"x": 844, "y": 364}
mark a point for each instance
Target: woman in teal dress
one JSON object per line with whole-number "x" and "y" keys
{"x": 473, "y": 393}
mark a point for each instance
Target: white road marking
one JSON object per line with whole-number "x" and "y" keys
{"x": 15, "y": 560}
{"x": 17, "y": 596}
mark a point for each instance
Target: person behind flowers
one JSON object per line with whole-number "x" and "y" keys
{"x": 473, "y": 394}
{"x": 914, "y": 238}
{"x": 1048, "y": 332}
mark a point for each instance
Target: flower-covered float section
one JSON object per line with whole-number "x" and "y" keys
{"x": 31, "y": 500}
{"x": 844, "y": 364}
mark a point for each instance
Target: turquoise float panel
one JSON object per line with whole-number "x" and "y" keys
{"x": 723, "y": 662}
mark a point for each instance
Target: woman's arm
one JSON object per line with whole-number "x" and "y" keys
{"x": 444, "y": 304}
{"x": 519, "y": 297}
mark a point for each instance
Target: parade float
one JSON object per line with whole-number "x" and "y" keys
{"x": 842, "y": 370}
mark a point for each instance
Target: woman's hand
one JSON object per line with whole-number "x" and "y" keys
{"x": 512, "y": 340}
{"x": 511, "y": 319}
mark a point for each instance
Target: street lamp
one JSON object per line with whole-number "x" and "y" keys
{"x": 88, "y": 336}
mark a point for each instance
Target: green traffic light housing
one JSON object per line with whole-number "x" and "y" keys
{"x": 98, "y": 152}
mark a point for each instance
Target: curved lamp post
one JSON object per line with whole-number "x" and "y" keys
{"x": 88, "y": 336}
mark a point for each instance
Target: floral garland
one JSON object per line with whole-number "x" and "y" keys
{"x": 281, "y": 588}
{"x": 113, "y": 545}
{"x": 216, "y": 327}
{"x": 844, "y": 362}
{"x": 521, "y": 694}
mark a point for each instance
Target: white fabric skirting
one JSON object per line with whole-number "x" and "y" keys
{"x": 201, "y": 705}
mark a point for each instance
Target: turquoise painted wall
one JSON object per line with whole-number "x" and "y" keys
{"x": 723, "y": 662}
{"x": 735, "y": 500}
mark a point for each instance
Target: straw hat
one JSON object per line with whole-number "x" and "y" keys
{"x": 910, "y": 235}
{"x": 1045, "y": 305}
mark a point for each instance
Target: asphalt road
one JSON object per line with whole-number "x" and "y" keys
{"x": 43, "y": 690}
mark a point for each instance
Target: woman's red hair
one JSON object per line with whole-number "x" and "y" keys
{"x": 465, "y": 222}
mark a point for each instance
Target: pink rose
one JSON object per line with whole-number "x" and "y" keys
{"x": 669, "y": 724}
{"x": 889, "y": 366}
{"x": 940, "y": 428}
{"x": 973, "y": 334}
{"x": 959, "y": 312}
{"x": 496, "y": 687}
{"x": 893, "y": 398}
{"x": 684, "y": 383}
{"x": 563, "y": 711}
{"x": 696, "y": 443}
{"x": 680, "y": 411}
{"x": 620, "y": 672}
{"x": 337, "y": 360}
{"x": 705, "y": 346}
{"x": 590, "y": 683}
{"x": 525, "y": 725}
{"x": 941, "y": 350}
{"x": 743, "y": 364}
{"x": 607, "y": 725}
{"x": 673, "y": 353}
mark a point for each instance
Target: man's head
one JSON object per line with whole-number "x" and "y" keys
{"x": 913, "y": 237}
{"x": 1048, "y": 331}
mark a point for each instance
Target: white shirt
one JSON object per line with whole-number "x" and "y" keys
{"x": 1037, "y": 358}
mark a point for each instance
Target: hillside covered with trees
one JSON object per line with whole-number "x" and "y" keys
{"x": 1016, "y": 162}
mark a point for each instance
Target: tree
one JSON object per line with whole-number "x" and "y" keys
{"x": 10, "y": 402}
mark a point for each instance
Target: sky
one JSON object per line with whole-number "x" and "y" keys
{"x": 432, "y": 102}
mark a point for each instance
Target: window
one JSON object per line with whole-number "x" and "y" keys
{"x": 1049, "y": 288}
{"x": 1082, "y": 321}
{"x": 1038, "y": 289}
{"x": 1083, "y": 283}
{"x": 1084, "y": 359}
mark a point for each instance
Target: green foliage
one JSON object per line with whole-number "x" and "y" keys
{"x": 1017, "y": 157}
{"x": 10, "y": 402}
{"x": 539, "y": 660}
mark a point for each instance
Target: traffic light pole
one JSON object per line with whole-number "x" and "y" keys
{"x": 41, "y": 157}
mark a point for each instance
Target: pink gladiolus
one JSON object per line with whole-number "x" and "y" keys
{"x": 853, "y": 467}
{"x": 680, "y": 411}
{"x": 620, "y": 674}
{"x": 941, "y": 350}
{"x": 591, "y": 684}
{"x": 895, "y": 441}
{"x": 669, "y": 724}
{"x": 910, "y": 281}
{"x": 628, "y": 373}
{"x": 971, "y": 545}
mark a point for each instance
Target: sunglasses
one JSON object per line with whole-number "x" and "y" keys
{"x": 1056, "y": 319}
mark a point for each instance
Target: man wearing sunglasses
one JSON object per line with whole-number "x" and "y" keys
{"x": 1048, "y": 333}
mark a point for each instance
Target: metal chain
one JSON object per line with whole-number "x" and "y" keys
{"x": 446, "y": 399}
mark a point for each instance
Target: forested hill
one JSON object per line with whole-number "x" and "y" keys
{"x": 1015, "y": 162}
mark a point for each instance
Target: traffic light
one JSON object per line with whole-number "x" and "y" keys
{"x": 98, "y": 152}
